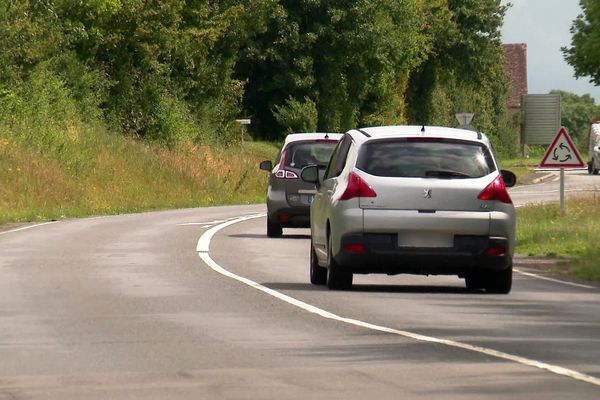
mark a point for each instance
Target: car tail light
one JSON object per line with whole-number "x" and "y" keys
{"x": 284, "y": 217}
{"x": 357, "y": 187}
{"x": 285, "y": 174}
{"x": 495, "y": 251}
{"x": 496, "y": 191}
{"x": 355, "y": 248}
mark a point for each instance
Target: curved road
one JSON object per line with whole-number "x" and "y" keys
{"x": 134, "y": 307}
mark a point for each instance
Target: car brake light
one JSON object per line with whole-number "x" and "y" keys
{"x": 496, "y": 191}
{"x": 357, "y": 187}
{"x": 284, "y": 217}
{"x": 355, "y": 248}
{"x": 495, "y": 251}
{"x": 285, "y": 174}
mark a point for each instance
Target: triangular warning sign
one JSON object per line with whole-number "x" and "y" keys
{"x": 562, "y": 153}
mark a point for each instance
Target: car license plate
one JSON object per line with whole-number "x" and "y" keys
{"x": 425, "y": 239}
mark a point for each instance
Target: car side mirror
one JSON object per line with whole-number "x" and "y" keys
{"x": 310, "y": 174}
{"x": 266, "y": 165}
{"x": 510, "y": 179}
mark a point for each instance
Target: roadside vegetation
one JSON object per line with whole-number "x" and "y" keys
{"x": 93, "y": 172}
{"x": 541, "y": 231}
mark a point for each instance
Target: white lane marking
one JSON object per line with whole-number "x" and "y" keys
{"x": 206, "y": 224}
{"x": 532, "y": 275}
{"x": 203, "y": 251}
{"x": 28, "y": 227}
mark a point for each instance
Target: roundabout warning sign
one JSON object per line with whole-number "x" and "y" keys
{"x": 562, "y": 153}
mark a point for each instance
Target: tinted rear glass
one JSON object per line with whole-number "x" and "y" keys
{"x": 426, "y": 158}
{"x": 302, "y": 154}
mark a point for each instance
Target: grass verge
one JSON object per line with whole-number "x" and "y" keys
{"x": 541, "y": 231}
{"x": 98, "y": 173}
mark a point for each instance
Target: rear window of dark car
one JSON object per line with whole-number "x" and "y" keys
{"x": 301, "y": 154}
{"x": 426, "y": 158}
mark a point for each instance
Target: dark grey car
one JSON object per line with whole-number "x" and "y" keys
{"x": 288, "y": 197}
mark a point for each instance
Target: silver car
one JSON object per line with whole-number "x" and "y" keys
{"x": 288, "y": 197}
{"x": 412, "y": 199}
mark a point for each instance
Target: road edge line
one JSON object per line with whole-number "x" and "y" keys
{"x": 203, "y": 248}
{"x": 28, "y": 227}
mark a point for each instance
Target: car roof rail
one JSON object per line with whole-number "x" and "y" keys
{"x": 364, "y": 133}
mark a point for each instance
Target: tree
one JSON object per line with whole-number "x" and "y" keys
{"x": 584, "y": 53}
{"x": 577, "y": 113}
{"x": 351, "y": 58}
{"x": 465, "y": 55}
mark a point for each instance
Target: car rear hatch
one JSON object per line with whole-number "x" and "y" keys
{"x": 294, "y": 158}
{"x": 426, "y": 191}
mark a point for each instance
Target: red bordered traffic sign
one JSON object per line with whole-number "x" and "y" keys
{"x": 562, "y": 153}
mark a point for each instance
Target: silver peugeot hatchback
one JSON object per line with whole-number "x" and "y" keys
{"x": 288, "y": 197}
{"x": 412, "y": 199}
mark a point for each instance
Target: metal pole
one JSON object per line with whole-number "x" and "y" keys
{"x": 562, "y": 192}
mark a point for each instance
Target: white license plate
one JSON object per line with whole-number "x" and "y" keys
{"x": 425, "y": 239}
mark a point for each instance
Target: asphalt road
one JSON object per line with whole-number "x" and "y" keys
{"x": 577, "y": 183}
{"x": 134, "y": 307}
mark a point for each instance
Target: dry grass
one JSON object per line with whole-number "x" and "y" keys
{"x": 112, "y": 174}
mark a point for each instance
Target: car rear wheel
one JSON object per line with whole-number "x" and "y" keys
{"x": 474, "y": 281}
{"x": 273, "y": 230}
{"x": 338, "y": 278}
{"x": 318, "y": 274}
{"x": 499, "y": 282}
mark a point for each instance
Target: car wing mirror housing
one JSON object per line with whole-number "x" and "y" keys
{"x": 510, "y": 179}
{"x": 266, "y": 165}
{"x": 311, "y": 174}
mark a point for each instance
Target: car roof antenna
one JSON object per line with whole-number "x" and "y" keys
{"x": 326, "y": 135}
{"x": 423, "y": 130}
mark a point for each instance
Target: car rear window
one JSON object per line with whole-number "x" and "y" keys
{"x": 302, "y": 154}
{"x": 426, "y": 158}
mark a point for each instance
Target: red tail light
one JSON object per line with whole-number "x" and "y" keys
{"x": 495, "y": 251}
{"x": 496, "y": 191}
{"x": 355, "y": 248}
{"x": 357, "y": 187}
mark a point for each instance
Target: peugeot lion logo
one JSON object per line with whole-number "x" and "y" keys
{"x": 426, "y": 193}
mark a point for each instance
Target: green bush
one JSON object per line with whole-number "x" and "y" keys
{"x": 297, "y": 116}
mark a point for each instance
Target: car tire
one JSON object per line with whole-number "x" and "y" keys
{"x": 273, "y": 230}
{"x": 474, "y": 281}
{"x": 499, "y": 282}
{"x": 318, "y": 274}
{"x": 590, "y": 168}
{"x": 338, "y": 278}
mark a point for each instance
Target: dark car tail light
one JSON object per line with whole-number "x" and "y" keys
{"x": 357, "y": 248}
{"x": 357, "y": 187}
{"x": 495, "y": 251}
{"x": 496, "y": 191}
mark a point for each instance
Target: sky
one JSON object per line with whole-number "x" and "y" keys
{"x": 544, "y": 25}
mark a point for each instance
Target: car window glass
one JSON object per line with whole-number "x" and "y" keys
{"x": 338, "y": 158}
{"x": 302, "y": 154}
{"x": 426, "y": 158}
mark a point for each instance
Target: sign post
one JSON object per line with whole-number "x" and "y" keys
{"x": 562, "y": 154}
{"x": 243, "y": 123}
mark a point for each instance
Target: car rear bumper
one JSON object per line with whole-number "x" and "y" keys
{"x": 380, "y": 253}
{"x": 291, "y": 217}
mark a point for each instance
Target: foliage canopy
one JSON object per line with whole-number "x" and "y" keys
{"x": 584, "y": 53}
{"x": 181, "y": 70}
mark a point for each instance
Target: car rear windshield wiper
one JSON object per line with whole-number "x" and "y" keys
{"x": 445, "y": 174}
